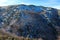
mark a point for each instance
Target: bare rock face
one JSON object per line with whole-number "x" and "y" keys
{"x": 30, "y": 21}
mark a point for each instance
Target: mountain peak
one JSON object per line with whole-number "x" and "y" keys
{"x": 30, "y": 21}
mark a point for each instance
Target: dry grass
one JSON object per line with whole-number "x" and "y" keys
{"x": 6, "y": 37}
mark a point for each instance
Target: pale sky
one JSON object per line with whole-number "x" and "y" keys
{"x": 47, "y": 3}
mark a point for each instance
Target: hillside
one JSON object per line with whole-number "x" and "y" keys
{"x": 29, "y": 21}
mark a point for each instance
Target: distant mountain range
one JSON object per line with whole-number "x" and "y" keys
{"x": 30, "y": 21}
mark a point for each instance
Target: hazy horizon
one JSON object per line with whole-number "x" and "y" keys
{"x": 46, "y": 3}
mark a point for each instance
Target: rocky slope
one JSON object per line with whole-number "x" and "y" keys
{"x": 30, "y": 21}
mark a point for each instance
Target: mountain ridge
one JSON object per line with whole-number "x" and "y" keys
{"x": 29, "y": 19}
